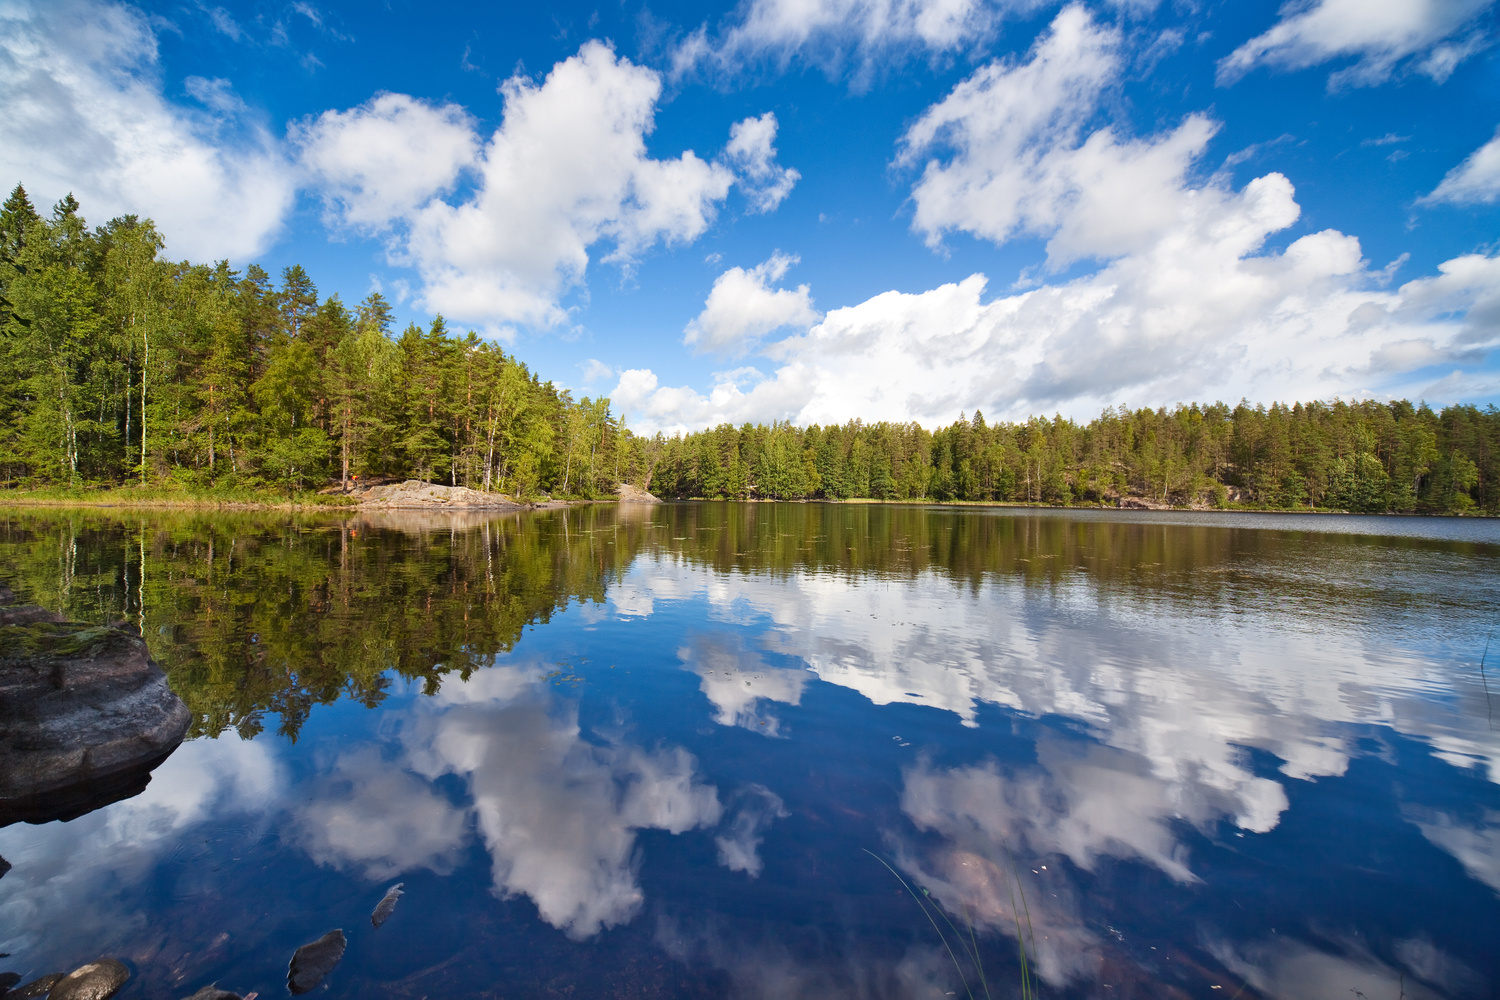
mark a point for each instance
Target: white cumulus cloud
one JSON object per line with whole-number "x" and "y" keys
{"x": 1432, "y": 36}
{"x": 1019, "y": 163}
{"x": 83, "y": 110}
{"x": 1475, "y": 181}
{"x": 752, "y": 151}
{"x": 387, "y": 158}
{"x": 742, "y": 307}
{"x": 1189, "y": 304}
{"x": 567, "y": 171}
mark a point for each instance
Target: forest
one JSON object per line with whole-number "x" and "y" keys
{"x": 120, "y": 367}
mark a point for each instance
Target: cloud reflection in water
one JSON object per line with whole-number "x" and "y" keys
{"x": 1170, "y": 700}
{"x": 557, "y": 813}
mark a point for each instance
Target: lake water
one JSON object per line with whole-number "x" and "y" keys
{"x": 794, "y": 750}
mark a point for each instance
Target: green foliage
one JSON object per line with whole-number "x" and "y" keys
{"x": 117, "y": 365}
{"x": 1363, "y": 457}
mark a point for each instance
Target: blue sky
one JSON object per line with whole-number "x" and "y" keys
{"x": 823, "y": 209}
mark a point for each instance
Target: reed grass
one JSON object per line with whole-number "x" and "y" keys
{"x": 970, "y": 948}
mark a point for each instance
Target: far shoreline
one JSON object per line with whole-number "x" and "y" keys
{"x": 348, "y": 505}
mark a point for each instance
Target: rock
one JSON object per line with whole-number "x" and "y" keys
{"x": 4, "y": 867}
{"x": 95, "y": 981}
{"x": 26, "y": 614}
{"x": 7, "y": 980}
{"x": 1136, "y": 503}
{"x": 12, "y": 613}
{"x": 314, "y": 961}
{"x": 417, "y": 495}
{"x": 36, "y": 988}
{"x": 634, "y": 494}
{"x": 212, "y": 992}
{"x": 85, "y": 714}
{"x": 387, "y": 904}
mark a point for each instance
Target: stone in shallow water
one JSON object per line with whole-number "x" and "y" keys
{"x": 387, "y": 904}
{"x": 36, "y": 988}
{"x": 214, "y": 993}
{"x": 7, "y": 980}
{"x": 314, "y": 961}
{"x": 95, "y": 981}
{"x": 85, "y": 714}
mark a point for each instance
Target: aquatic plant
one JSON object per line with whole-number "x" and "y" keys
{"x": 971, "y": 947}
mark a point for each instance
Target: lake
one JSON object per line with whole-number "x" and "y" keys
{"x": 788, "y": 750}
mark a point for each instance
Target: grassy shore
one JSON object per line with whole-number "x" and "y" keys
{"x": 236, "y": 498}
{"x": 250, "y": 498}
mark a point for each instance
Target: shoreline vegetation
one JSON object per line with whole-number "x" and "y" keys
{"x": 131, "y": 498}
{"x": 128, "y": 379}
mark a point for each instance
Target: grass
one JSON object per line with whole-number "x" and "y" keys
{"x": 170, "y": 495}
{"x": 971, "y": 947}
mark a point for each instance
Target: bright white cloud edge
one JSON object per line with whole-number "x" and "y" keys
{"x": 566, "y": 172}
{"x": 564, "y": 178}
{"x": 1475, "y": 181}
{"x": 1189, "y": 304}
{"x": 83, "y": 111}
{"x": 1430, "y": 36}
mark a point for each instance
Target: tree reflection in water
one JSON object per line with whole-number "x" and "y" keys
{"x": 1190, "y": 730}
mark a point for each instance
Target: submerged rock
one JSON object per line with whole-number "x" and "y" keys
{"x": 39, "y": 987}
{"x": 387, "y": 904}
{"x": 85, "y": 714}
{"x": 212, "y": 992}
{"x": 95, "y": 981}
{"x": 314, "y": 961}
{"x": 7, "y": 980}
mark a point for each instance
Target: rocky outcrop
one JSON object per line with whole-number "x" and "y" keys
{"x": 1136, "y": 503}
{"x": 634, "y": 494}
{"x": 417, "y": 495}
{"x": 85, "y": 715}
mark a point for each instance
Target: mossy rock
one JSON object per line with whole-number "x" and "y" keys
{"x": 85, "y": 713}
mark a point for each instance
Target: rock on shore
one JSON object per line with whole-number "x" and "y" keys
{"x": 417, "y": 495}
{"x": 634, "y": 494}
{"x": 85, "y": 714}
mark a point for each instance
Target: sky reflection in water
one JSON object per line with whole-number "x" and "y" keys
{"x": 1234, "y": 752}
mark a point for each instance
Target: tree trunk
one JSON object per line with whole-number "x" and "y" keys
{"x": 145, "y": 367}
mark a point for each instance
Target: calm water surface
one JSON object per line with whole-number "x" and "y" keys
{"x": 655, "y": 752}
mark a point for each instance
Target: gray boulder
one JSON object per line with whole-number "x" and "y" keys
{"x": 311, "y": 962}
{"x": 95, "y": 981}
{"x": 85, "y": 714}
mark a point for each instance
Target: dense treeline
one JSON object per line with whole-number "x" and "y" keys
{"x": 118, "y": 365}
{"x": 1363, "y": 456}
